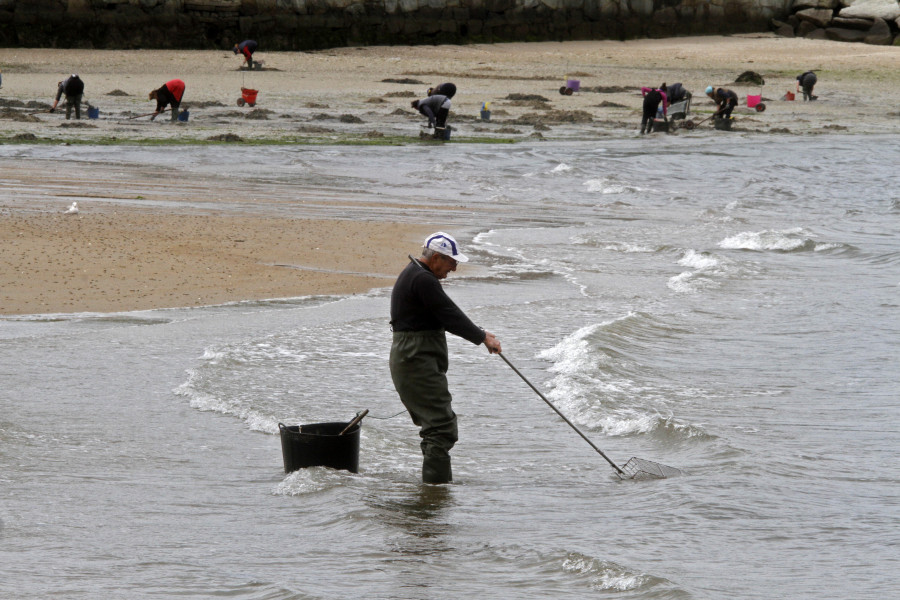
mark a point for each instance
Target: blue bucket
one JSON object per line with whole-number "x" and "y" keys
{"x": 183, "y": 116}
{"x": 485, "y": 115}
{"x": 93, "y": 112}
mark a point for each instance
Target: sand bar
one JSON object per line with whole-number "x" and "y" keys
{"x": 116, "y": 257}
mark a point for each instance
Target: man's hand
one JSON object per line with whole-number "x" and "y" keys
{"x": 53, "y": 110}
{"x": 492, "y": 343}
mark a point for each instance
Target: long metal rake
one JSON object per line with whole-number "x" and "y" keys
{"x": 635, "y": 468}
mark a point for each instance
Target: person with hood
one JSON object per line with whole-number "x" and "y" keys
{"x": 652, "y": 99}
{"x": 421, "y": 314}
{"x": 73, "y": 87}
{"x": 676, "y": 93}
{"x": 725, "y": 100}
{"x": 443, "y": 89}
{"x": 246, "y": 49}
{"x": 170, "y": 93}
{"x": 808, "y": 80}
{"x": 436, "y": 107}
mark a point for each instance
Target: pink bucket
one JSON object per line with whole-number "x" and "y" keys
{"x": 753, "y": 100}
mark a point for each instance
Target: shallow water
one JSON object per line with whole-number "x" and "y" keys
{"x": 730, "y": 310}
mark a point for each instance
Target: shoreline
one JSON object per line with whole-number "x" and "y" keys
{"x": 169, "y": 253}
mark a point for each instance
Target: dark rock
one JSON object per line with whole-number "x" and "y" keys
{"x": 805, "y": 28}
{"x": 226, "y": 137}
{"x": 880, "y": 34}
{"x": 785, "y": 31}
{"x": 839, "y": 34}
{"x": 405, "y": 81}
{"x": 750, "y": 77}
{"x": 526, "y": 97}
{"x": 817, "y": 16}
{"x": 802, "y": 4}
{"x": 816, "y": 34}
{"x": 350, "y": 119}
{"x": 864, "y": 24}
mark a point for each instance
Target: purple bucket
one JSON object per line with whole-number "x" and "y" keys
{"x": 573, "y": 84}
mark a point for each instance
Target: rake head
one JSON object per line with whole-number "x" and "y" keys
{"x": 638, "y": 468}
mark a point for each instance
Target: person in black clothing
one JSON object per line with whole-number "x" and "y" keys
{"x": 73, "y": 87}
{"x": 725, "y": 100}
{"x": 677, "y": 93}
{"x": 247, "y": 48}
{"x": 652, "y": 99}
{"x": 421, "y": 314}
{"x": 808, "y": 80}
{"x": 443, "y": 89}
{"x": 436, "y": 107}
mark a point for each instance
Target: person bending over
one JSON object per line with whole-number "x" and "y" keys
{"x": 652, "y": 99}
{"x": 443, "y": 89}
{"x": 246, "y": 49}
{"x": 73, "y": 88}
{"x": 170, "y": 93}
{"x": 807, "y": 81}
{"x": 725, "y": 100}
{"x": 436, "y": 108}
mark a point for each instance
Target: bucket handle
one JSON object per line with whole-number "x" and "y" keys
{"x": 359, "y": 417}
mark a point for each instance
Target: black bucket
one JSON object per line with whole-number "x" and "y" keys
{"x": 319, "y": 445}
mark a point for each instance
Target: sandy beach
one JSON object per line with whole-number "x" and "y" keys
{"x": 114, "y": 256}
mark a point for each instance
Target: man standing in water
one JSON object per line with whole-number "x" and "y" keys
{"x": 421, "y": 313}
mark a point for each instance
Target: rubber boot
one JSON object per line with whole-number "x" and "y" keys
{"x": 436, "y": 469}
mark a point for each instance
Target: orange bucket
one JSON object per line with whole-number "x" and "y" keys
{"x": 249, "y": 95}
{"x": 753, "y": 100}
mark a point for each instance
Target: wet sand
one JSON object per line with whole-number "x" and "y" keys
{"x": 116, "y": 257}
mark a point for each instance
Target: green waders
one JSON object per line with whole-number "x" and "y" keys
{"x": 419, "y": 364}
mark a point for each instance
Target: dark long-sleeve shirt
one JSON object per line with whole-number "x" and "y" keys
{"x": 431, "y": 105}
{"x": 247, "y": 48}
{"x": 70, "y": 86}
{"x": 419, "y": 303}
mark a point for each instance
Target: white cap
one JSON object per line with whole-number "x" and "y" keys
{"x": 443, "y": 243}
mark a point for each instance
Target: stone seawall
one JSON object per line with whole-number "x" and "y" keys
{"x": 316, "y": 24}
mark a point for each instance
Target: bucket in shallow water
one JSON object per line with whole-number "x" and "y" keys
{"x": 573, "y": 84}
{"x": 485, "y": 115}
{"x": 93, "y": 113}
{"x": 753, "y": 100}
{"x": 319, "y": 445}
{"x": 183, "y": 116}
{"x": 723, "y": 124}
{"x": 789, "y": 96}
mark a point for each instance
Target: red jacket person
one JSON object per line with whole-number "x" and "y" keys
{"x": 170, "y": 93}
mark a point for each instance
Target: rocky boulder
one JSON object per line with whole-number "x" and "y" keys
{"x": 841, "y": 34}
{"x": 820, "y": 17}
{"x": 880, "y": 34}
{"x": 864, "y": 24}
{"x": 802, "y": 4}
{"x": 872, "y": 9}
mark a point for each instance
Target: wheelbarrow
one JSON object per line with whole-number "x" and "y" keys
{"x": 248, "y": 96}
